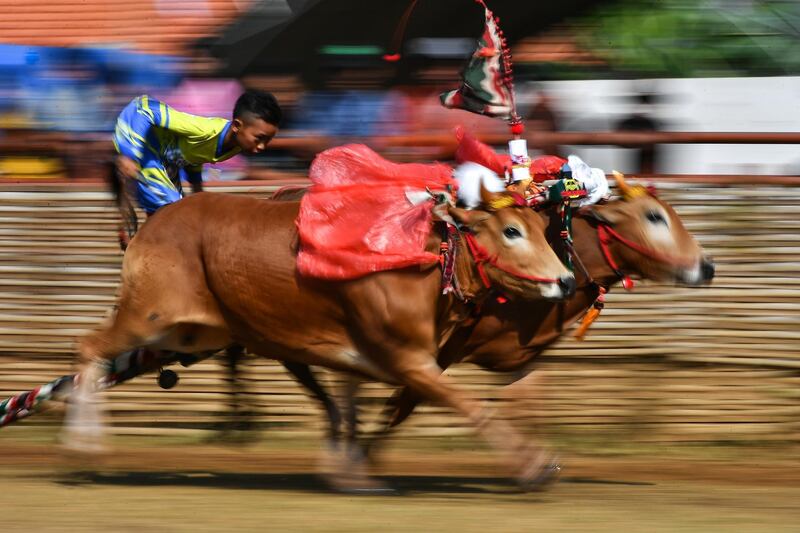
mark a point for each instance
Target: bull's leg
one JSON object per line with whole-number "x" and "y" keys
{"x": 342, "y": 462}
{"x": 351, "y": 386}
{"x": 84, "y": 429}
{"x": 524, "y": 390}
{"x": 399, "y": 407}
{"x": 129, "y": 329}
{"x": 240, "y": 414}
{"x": 305, "y": 376}
{"x": 521, "y": 389}
{"x": 354, "y": 452}
{"x": 531, "y": 465}
{"x": 239, "y": 419}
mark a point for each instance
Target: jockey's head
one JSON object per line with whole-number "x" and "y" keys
{"x": 256, "y": 117}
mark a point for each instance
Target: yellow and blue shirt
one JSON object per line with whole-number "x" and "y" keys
{"x": 168, "y": 145}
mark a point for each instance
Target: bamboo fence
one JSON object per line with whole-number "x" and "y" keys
{"x": 662, "y": 364}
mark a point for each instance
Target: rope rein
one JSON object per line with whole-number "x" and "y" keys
{"x": 482, "y": 257}
{"x": 605, "y": 235}
{"x": 606, "y": 232}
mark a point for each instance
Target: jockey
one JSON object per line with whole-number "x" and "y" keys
{"x": 158, "y": 145}
{"x": 572, "y": 177}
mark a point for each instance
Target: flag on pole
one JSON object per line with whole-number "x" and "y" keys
{"x": 487, "y": 85}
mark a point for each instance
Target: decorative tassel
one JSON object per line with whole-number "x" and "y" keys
{"x": 591, "y": 315}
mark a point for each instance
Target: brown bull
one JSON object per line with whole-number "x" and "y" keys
{"x": 215, "y": 269}
{"x": 644, "y": 238}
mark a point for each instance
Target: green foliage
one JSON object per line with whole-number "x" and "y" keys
{"x": 684, "y": 38}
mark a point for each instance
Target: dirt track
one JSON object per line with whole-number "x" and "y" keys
{"x": 207, "y": 488}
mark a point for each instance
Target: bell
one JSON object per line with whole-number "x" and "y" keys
{"x": 627, "y": 283}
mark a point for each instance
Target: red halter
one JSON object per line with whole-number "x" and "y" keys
{"x": 481, "y": 257}
{"x": 605, "y": 233}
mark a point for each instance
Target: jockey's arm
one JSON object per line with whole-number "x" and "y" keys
{"x": 194, "y": 175}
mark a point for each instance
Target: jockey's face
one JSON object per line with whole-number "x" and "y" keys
{"x": 253, "y": 134}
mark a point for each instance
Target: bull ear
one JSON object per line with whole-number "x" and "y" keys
{"x": 603, "y": 213}
{"x": 466, "y": 217}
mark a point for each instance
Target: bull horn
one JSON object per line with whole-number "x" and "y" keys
{"x": 624, "y": 188}
{"x": 628, "y": 191}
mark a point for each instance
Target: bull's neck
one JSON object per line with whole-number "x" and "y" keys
{"x": 586, "y": 243}
{"x": 467, "y": 276}
{"x": 459, "y": 309}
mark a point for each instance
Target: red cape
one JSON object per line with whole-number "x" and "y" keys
{"x": 356, "y": 218}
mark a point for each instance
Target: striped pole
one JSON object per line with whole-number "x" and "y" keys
{"x": 125, "y": 367}
{"x": 24, "y": 404}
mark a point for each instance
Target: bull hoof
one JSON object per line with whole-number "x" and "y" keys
{"x": 355, "y": 484}
{"x": 371, "y": 452}
{"x": 87, "y": 448}
{"x": 541, "y": 479}
{"x": 344, "y": 468}
{"x": 76, "y": 477}
{"x": 376, "y": 491}
{"x": 82, "y": 441}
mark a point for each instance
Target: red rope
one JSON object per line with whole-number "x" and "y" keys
{"x": 397, "y": 39}
{"x": 482, "y": 257}
{"x": 647, "y": 252}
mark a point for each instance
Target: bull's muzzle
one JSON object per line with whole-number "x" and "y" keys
{"x": 561, "y": 289}
{"x": 707, "y": 269}
{"x": 567, "y": 285}
{"x": 700, "y": 274}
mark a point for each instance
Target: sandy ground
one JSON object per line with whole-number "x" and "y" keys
{"x": 212, "y": 488}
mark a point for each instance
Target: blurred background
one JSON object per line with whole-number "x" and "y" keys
{"x": 701, "y": 97}
{"x": 67, "y": 68}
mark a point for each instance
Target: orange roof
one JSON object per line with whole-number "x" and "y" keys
{"x": 151, "y": 26}
{"x": 558, "y": 45}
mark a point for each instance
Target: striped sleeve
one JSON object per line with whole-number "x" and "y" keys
{"x": 131, "y": 133}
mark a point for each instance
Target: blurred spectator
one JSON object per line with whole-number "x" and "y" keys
{"x": 351, "y": 103}
{"x": 542, "y": 118}
{"x": 641, "y": 120}
{"x": 428, "y": 115}
{"x": 210, "y": 97}
{"x": 424, "y": 113}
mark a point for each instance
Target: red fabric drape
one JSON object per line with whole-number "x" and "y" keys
{"x": 356, "y": 218}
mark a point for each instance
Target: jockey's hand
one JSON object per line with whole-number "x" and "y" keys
{"x": 127, "y": 167}
{"x": 536, "y": 188}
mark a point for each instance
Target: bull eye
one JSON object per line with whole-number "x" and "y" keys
{"x": 511, "y": 232}
{"x": 655, "y": 217}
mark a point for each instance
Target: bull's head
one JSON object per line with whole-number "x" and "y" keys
{"x": 511, "y": 244}
{"x": 647, "y": 237}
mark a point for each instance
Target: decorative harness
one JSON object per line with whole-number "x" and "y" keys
{"x": 605, "y": 235}
{"x": 481, "y": 257}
